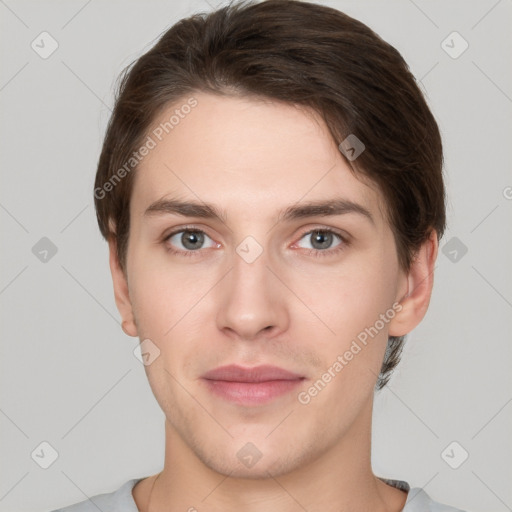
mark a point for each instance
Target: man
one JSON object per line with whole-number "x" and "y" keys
{"x": 271, "y": 190}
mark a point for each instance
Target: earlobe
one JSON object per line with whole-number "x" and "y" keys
{"x": 420, "y": 280}
{"x": 121, "y": 291}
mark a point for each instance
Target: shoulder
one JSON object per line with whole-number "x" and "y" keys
{"x": 117, "y": 501}
{"x": 419, "y": 501}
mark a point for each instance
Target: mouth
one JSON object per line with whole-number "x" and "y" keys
{"x": 251, "y": 386}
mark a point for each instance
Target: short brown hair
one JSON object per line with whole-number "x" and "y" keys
{"x": 303, "y": 54}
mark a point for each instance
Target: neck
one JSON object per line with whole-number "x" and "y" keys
{"x": 338, "y": 480}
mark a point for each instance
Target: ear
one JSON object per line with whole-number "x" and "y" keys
{"x": 121, "y": 291}
{"x": 418, "y": 289}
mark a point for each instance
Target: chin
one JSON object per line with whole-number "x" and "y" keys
{"x": 261, "y": 470}
{"x": 253, "y": 460}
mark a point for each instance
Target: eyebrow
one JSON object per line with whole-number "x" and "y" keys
{"x": 321, "y": 208}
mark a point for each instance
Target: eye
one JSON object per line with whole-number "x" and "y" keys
{"x": 187, "y": 240}
{"x": 320, "y": 240}
{"x": 317, "y": 241}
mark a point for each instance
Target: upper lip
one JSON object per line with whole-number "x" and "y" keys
{"x": 235, "y": 373}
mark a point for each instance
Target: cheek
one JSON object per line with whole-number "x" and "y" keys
{"x": 350, "y": 298}
{"x": 352, "y": 353}
{"x": 160, "y": 294}
{"x": 167, "y": 309}
{"x": 351, "y": 302}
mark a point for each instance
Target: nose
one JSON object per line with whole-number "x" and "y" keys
{"x": 252, "y": 302}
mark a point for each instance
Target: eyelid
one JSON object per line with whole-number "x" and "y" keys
{"x": 345, "y": 237}
{"x": 344, "y": 242}
{"x": 179, "y": 229}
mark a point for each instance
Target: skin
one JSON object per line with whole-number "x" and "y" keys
{"x": 296, "y": 306}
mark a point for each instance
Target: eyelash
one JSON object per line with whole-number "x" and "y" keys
{"x": 317, "y": 253}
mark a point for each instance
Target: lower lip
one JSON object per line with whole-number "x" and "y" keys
{"x": 252, "y": 393}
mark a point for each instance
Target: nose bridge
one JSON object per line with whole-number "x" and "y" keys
{"x": 250, "y": 271}
{"x": 251, "y": 299}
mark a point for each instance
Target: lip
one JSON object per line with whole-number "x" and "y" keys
{"x": 263, "y": 373}
{"x": 251, "y": 386}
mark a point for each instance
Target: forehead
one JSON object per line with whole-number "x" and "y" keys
{"x": 247, "y": 154}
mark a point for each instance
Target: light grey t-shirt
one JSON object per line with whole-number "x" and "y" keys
{"x": 122, "y": 500}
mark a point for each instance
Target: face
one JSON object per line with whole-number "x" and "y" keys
{"x": 253, "y": 243}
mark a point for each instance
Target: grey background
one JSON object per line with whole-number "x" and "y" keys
{"x": 68, "y": 373}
